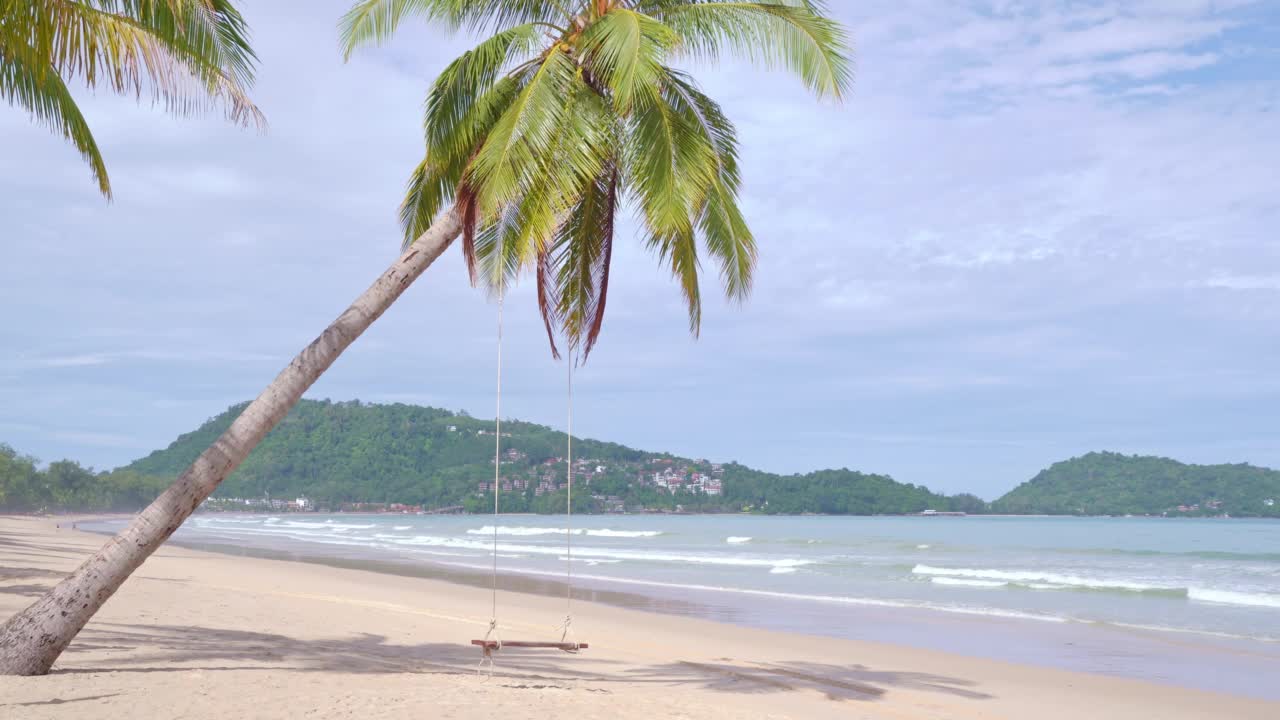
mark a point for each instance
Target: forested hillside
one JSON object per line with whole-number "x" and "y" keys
{"x": 1105, "y": 483}
{"x": 348, "y": 452}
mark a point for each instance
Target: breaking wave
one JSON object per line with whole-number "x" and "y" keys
{"x": 590, "y": 532}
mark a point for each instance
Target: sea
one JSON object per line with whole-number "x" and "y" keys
{"x": 1192, "y": 602}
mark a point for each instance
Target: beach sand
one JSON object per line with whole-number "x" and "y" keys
{"x": 201, "y": 635}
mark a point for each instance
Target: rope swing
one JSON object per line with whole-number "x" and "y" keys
{"x": 492, "y": 641}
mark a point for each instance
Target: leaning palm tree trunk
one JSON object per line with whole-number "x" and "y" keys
{"x": 33, "y": 639}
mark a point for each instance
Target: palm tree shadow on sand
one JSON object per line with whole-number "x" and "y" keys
{"x": 166, "y": 648}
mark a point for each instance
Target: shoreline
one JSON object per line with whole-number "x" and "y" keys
{"x": 1170, "y": 656}
{"x": 666, "y": 512}
{"x": 272, "y": 638}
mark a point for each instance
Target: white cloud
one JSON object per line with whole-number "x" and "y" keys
{"x": 1002, "y": 238}
{"x": 1244, "y": 282}
{"x": 85, "y": 360}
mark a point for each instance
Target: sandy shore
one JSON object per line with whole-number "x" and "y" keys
{"x": 201, "y": 635}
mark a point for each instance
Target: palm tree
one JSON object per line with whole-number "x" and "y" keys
{"x": 543, "y": 132}
{"x": 534, "y": 139}
{"x": 186, "y": 54}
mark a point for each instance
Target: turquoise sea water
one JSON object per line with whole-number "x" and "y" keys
{"x": 1195, "y": 602}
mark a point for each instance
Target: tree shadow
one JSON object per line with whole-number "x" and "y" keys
{"x": 24, "y": 573}
{"x": 26, "y": 590}
{"x": 53, "y": 547}
{"x": 168, "y": 648}
{"x": 62, "y": 701}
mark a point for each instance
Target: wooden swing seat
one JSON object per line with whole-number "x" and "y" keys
{"x": 491, "y": 645}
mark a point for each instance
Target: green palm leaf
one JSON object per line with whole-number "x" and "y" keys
{"x": 570, "y": 111}
{"x": 189, "y": 55}
{"x": 42, "y": 93}
{"x": 794, "y": 34}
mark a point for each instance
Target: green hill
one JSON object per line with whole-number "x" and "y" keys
{"x": 1108, "y": 483}
{"x": 348, "y": 452}
{"x": 343, "y": 453}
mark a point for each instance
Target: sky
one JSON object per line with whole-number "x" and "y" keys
{"x": 1034, "y": 230}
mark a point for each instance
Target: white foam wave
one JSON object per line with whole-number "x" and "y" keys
{"x": 401, "y": 527}
{"x": 782, "y": 570}
{"x": 968, "y": 582}
{"x": 623, "y": 533}
{"x": 1231, "y": 597}
{"x": 597, "y": 553}
{"x": 922, "y": 547}
{"x": 1043, "y": 578}
{"x": 326, "y": 525}
{"x": 833, "y": 599}
{"x": 1187, "y": 631}
{"x": 590, "y": 532}
{"x": 737, "y": 539}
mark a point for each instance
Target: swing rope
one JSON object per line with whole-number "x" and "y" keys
{"x": 492, "y": 641}
{"x": 567, "y": 634}
{"x": 497, "y": 478}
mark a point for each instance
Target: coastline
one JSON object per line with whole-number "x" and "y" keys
{"x": 212, "y": 635}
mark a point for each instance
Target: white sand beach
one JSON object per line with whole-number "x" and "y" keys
{"x": 200, "y": 635}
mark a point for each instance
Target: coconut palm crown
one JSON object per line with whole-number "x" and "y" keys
{"x": 186, "y": 54}
{"x": 571, "y": 110}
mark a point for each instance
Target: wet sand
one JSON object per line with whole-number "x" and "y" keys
{"x": 203, "y": 635}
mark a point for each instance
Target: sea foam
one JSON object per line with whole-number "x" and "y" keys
{"x": 590, "y": 532}
{"x": 1232, "y": 597}
{"x": 968, "y": 582}
{"x": 1043, "y": 580}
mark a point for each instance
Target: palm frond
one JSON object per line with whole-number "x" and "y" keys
{"x": 42, "y": 93}
{"x": 548, "y": 300}
{"x": 795, "y": 34}
{"x": 721, "y": 224}
{"x": 457, "y": 89}
{"x": 584, "y": 255}
{"x": 186, "y": 54}
{"x": 728, "y": 239}
{"x": 670, "y": 164}
{"x": 679, "y": 250}
{"x": 521, "y": 136}
{"x": 434, "y": 182}
{"x": 625, "y": 51}
{"x": 373, "y": 22}
{"x": 571, "y": 109}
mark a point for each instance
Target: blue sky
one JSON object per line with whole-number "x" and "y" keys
{"x": 1034, "y": 230}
